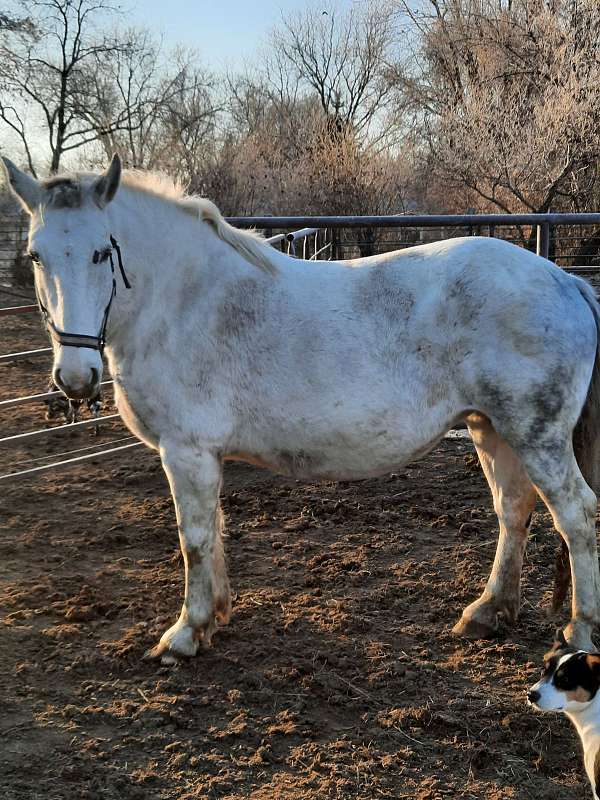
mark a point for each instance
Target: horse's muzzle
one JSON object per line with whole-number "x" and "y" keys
{"x": 74, "y": 387}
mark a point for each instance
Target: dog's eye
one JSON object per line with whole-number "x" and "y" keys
{"x": 559, "y": 677}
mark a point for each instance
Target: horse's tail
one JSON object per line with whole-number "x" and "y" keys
{"x": 586, "y": 445}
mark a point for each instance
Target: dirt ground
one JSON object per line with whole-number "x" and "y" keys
{"x": 338, "y": 676}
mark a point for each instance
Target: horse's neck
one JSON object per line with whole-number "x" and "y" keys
{"x": 166, "y": 253}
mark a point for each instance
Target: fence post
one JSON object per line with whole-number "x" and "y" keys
{"x": 470, "y": 228}
{"x": 543, "y": 240}
{"x": 334, "y": 244}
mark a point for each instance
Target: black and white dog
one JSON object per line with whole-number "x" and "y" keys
{"x": 570, "y": 683}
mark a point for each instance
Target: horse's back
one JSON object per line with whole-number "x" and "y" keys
{"x": 438, "y": 329}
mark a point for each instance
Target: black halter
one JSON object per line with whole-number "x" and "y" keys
{"x": 80, "y": 339}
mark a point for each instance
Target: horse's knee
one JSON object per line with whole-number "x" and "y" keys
{"x": 515, "y": 503}
{"x": 575, "y": 517}
{"x": 516, "y": 528}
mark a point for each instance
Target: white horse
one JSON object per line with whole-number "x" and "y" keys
{"x": 224, "y": 349}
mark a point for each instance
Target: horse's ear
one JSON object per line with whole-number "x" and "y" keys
{"x": 25, "y": 188}
{"x": 105, "y": 187}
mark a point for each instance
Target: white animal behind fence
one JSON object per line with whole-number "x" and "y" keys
{"x": 224, "y": 349}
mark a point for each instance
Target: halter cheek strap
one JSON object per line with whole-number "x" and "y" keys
{"x": 117, "y": 249}
{"x": 67, "y": 339}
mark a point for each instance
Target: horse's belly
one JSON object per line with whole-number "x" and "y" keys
{"x": 340, "y": 457}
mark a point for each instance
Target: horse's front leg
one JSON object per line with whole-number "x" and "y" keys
{"x": 195, "y": 480}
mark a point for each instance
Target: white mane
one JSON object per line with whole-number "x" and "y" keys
{"x": 248, "y": 244}
{"x": 70, "y": 191}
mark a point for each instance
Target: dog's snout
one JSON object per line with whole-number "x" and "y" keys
{"x": 533, "y": 695}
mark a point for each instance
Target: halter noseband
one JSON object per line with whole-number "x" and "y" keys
{"x": 81, "y": 339}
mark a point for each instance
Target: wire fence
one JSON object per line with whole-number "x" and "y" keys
{"x": 572, "y": 240}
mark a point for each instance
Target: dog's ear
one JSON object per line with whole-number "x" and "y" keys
{"x": 559, "y": 640}
{"x": 593, "y": 662}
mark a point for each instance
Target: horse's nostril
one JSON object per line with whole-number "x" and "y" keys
{"x": 533, "y": 696}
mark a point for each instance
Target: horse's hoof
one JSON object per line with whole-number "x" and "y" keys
{"x": 167, "y": 656}
{"x": 578, "y": 635}
{"x": 176, "y": 644}
{"x": 170, "y": 659}
{"x": 472, "y": 628}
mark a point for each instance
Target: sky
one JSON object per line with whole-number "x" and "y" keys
{"x": 225, "y": 32}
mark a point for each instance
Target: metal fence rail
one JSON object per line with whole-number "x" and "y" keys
{"x": 55, "y": 464}
{"x": 37, "y": 398}
{"x": 414, "y": 220}
{"x": 58, "y": 429}
{"x": 543, "y": 224}
{"x": 23, "y": 356}
{"x": 5, "y": 312}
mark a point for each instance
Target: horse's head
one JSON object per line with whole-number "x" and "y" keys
{"x": 70, "y": 246}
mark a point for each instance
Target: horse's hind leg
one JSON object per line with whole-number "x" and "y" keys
{"x": 514, "y": 500}
{"x": 572, "y": 504}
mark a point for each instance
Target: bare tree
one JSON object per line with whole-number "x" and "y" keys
{"x": 341, "y": 56}
{"x": 44, "y": 73}
{"x": 21, "y": 30}
{"x": 191, "y": 106}
{"x": 306, "y": 127}
{"x": 507, "y": 97}
{"x": 124, "y": 85}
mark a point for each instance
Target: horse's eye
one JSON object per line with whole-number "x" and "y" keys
{"x": 35, "y": 257}
{"x": 100, "y": 255}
